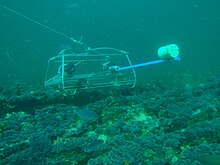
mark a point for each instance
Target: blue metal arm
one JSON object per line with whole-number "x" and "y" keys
{"x": 148, "y": 63}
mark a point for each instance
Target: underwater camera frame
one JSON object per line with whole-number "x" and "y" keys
{"x": 95, "y": 68}
{"x": 98, "y": 67}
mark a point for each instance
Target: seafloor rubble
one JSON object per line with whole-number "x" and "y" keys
{"x": 148, "y": 125}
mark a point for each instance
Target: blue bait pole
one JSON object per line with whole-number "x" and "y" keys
{"x": 148, "y": 63}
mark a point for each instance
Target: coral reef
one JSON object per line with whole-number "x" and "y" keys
{"x": 119, "y": 126}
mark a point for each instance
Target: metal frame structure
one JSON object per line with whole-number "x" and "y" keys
{"x": 91, "y": 69}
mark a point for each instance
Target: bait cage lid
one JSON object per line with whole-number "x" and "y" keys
{"x": 94, "y": 68}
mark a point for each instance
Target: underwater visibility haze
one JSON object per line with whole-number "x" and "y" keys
{"x": 171, "y": 116}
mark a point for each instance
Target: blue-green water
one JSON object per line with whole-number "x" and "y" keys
{"x": 138, "y": 27}
{"x": 172, "y": 116}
